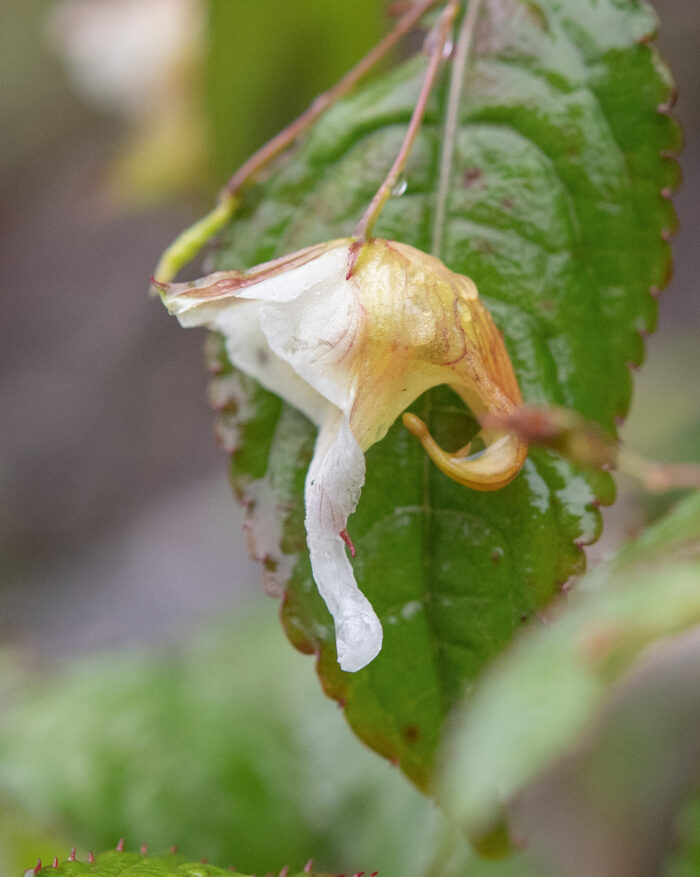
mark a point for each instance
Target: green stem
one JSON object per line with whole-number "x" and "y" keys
{"x": 189, "y": 242}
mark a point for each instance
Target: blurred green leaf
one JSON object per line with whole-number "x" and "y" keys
{"x": 267, "y": 61}
{"x": 684, "y": 860}
{"x": 555, "y": 211}
{"x": 23, "y": 839}
{"x": 672, "y": 538}
{"x": 555, "y": 694}
{"x": 223, "y": 746}
{"x": 608, "y": 808}
{"x": 664, "y": 421}
{"x": 123, "y": 864}
{"x": 165, "y": 750}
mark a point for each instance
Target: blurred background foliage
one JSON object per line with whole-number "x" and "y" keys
{"x": 253, "y": 768}
{"x": 265, "y": 66}
{"x": 127, "y": 709}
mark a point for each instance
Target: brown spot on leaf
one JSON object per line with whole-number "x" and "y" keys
{"x": 471, "y": 176}
{"x": 411, "y": 733}
{"x": 484, "y": 246}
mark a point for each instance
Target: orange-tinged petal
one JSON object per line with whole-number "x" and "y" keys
{"x": 352, "y": 332}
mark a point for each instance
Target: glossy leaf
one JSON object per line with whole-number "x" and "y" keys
{"x": 556, "y": 211}
{"x": 123, "y": 864}
{"x": 556, "y": 694}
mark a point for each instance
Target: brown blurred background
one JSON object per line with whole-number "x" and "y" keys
{"x": 117, "y": 521}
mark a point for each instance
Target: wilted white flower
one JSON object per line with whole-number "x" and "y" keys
{"x": 351, "y": 332}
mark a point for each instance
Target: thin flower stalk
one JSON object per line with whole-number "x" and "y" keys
{"x": 364, "y": 227}
{"x": 188, "y": 244}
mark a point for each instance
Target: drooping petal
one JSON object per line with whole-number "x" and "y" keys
{"x": 235, "y": 303}
{"x": 333, "y": 486}
{"x": 249, "y": 350}
{"x": 280, "y": 280}
{"x": 351, "y": 333}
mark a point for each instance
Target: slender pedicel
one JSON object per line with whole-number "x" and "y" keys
{"x": 188, "y": 244}
{"x": 364, "y": 227}
{"x": 588, "y": 444}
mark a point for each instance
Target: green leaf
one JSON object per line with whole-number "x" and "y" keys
{"x": 217, "y": 744}
{"x": 123, "y": 864}
{"x": 555, "y": 210}
{"x": 685, "y": 858}
{"x": 672, "y": 538}
{"x": 168, "y": 749}
{"x": 568, "y": 688}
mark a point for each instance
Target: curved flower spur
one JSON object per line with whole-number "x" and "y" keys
{"x": 351, "y": 332}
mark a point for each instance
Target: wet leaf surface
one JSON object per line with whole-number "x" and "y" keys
{"x": 558, "y": 210}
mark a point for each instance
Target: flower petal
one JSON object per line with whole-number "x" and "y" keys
{"x": 333, "y": 486}
{"x": 235, "y": 303}
{"x": 280, "y": 280}
{"x": 351, "y": 333}
{"x": 316, "y": 334}
{"x": 494, "y": 467}
{"x": 248, "y": 349}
